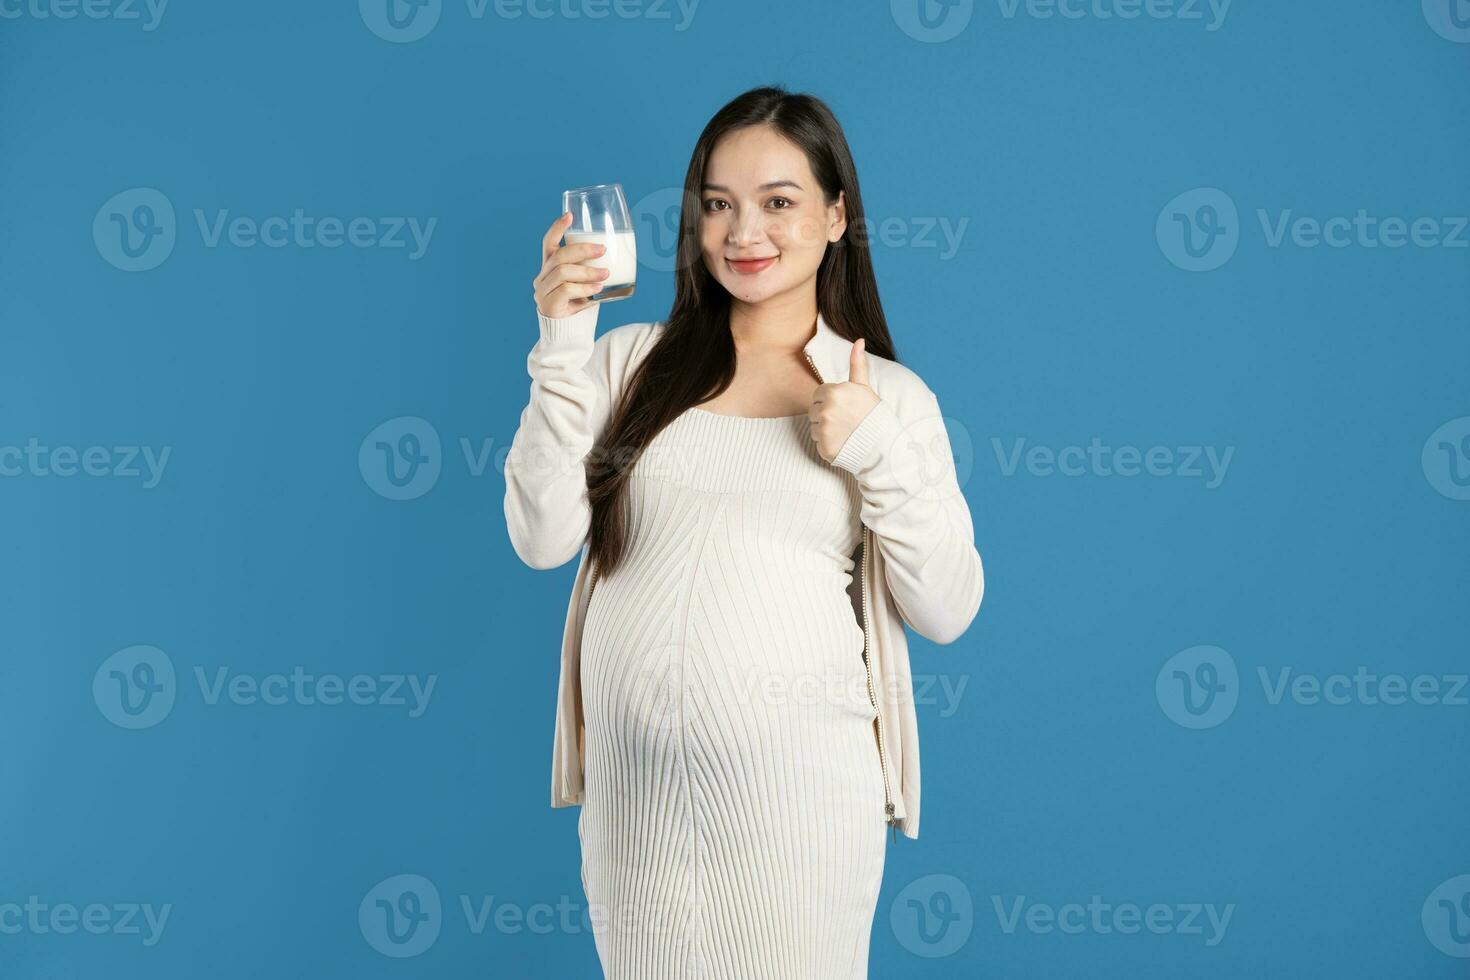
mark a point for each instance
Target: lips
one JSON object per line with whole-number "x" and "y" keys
{"x": 749, "y": 267}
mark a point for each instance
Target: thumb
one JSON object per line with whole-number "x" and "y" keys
{"x": 858, "y": 366}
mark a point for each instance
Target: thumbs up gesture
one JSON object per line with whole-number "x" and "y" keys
{"x": 838, "y": 407}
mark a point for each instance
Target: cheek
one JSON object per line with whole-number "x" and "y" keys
{"x": 711, "y": 238}
{"x": 799, "y": 232}
{"x": 713, "y": 229}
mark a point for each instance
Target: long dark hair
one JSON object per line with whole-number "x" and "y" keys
{"x": 693, "y": 359}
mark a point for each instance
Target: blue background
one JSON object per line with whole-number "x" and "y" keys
{"x": 1060, "y": 318}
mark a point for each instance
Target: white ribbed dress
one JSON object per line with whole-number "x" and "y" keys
{"x": 733, "y": 825}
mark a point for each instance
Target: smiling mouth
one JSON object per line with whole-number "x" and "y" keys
{"x": 749, "y": 267}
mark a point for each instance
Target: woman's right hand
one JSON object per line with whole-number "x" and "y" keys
{"x": 564, "y": 284}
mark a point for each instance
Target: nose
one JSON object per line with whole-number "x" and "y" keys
{"x": 747, "y": 228}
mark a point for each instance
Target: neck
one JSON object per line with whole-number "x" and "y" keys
{"x": 775, "y": 326}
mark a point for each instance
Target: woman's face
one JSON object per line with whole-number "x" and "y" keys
{"x": 760, "y": 201}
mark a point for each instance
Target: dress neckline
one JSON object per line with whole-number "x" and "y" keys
{"x": 748, "y": 418}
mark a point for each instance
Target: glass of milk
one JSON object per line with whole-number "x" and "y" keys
{"x": 600, "y": 214}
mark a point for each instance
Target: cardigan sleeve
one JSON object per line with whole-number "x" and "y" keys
{"x": 546, "y": 507}
{"x": 912, "y": 501}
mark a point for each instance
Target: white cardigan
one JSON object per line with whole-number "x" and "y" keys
{"x": 926, "y": 561}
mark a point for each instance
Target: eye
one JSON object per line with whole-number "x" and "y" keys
{"x": 788, "y": 201}
{"x": 709, "y": 204}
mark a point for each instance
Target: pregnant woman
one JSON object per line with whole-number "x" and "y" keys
{"x": 762, "y": 496}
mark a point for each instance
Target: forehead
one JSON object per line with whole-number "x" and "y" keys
{"x": 754, "y": 155}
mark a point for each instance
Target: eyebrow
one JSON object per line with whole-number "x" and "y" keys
{"x": 764, "y": 187}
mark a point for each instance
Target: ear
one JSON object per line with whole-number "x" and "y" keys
{"x": 838, "y": 217}
{"x": 857, "y": 368}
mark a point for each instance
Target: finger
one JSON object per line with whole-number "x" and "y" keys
{"x": 573, "y": 272}
{"x": 578, "y": 252}
{"x": 572, "y": 290}
{"x": 858, "y": 366}
{"x": 552, "y": 238}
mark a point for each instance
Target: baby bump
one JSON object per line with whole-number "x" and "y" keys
{"x": 766, "y": 644}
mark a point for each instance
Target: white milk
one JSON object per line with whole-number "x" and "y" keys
{"x": 621, "y": 256}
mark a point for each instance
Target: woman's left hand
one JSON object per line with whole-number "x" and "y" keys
{"x": 838, "y": 407}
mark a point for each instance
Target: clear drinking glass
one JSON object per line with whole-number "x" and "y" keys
{"x": 600, "y": 214}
